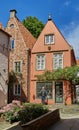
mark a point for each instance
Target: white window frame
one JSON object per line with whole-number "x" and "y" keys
{"x": 16, "y": 65}
{"x": 40, "y": 62}
{"x": 57, "y": 60}
{"x": 17, "y": 92}
{"x": 48, "y": 39}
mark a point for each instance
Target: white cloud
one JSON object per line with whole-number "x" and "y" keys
{"x": 71, "y": 33}
{"x": 67, "y": 3}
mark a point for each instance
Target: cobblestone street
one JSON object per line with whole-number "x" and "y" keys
{"x": 69, "y": 118}
{"x": 66, "y": 124}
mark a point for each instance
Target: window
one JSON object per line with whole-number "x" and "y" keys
{"x": 17, "y": 66}
{"x": 12, "y": 44}
{"x": 12, "y": 25}
{"x": 49, "y": 39}
{"x": 17, "y": 89}
{"x": 48, "y": 88}
{"x": 57, "y": 60}
{"x": 40, "y": 62}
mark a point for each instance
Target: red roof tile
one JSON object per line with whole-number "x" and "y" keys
{"x": 27, "y": 36}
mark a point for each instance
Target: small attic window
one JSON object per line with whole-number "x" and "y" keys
{"x": 12, "y": 25}
{"x": 49, "y": 39}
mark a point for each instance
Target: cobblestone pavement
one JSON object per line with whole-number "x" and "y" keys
{"x": 69, "y": 118}
{"x": 66, "y": 124}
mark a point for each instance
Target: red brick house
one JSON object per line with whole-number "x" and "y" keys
{"x": 21, "y": 43}
{"x": 50, "y": 52}
{"x": 4, "y": 53}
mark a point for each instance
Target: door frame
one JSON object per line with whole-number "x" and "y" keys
{"x": 60, "y": 91}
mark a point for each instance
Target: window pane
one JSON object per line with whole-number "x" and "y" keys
{"x": 48, "y": 88}
{"x": 58, "y": 60}
{"x": 17, "y": 89}
{"x": 12, "y": 25}
{"x": 40, "y": 62}
{"x": 12, "y": 44}
{"x": 17, "y": 66}
{"x": 49, "y": 39}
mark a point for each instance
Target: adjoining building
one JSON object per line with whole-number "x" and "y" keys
{"x": 21, "y": 44}
{"x": 50, "y": 52}
{"x": 4, "y": 66}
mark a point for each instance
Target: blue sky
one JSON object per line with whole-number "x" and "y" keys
{"x": 65, "y": 14}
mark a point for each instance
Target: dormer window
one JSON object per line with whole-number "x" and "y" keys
{"x": 49, "y": 39}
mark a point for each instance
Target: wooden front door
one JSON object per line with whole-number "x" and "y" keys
{"x": 59, "y": 92}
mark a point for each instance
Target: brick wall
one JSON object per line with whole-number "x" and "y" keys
{"x": 43, "y": 122}
{"x": 4, "y": 41}
{"x": 19, "y": 53}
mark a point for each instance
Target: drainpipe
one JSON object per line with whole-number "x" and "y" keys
{"x": 28, "y": 73}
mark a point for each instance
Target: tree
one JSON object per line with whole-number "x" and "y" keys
{"x": 68, "y": 73}
{"x": 34, "y": 25}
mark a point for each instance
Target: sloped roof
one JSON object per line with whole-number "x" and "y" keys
{"x": 27, "y": 36}
{"x": 60, "y": 41}
{"x": 5, "y": 32}
{"x": 2, "y": 29}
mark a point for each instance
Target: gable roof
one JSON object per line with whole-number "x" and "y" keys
{"x": 27, "y": 36}
{"x": 60, "y": 41}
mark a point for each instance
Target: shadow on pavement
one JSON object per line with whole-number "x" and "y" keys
{"x": 66, "y": 124}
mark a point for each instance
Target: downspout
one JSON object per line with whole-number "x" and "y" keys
{"x": 28, "y": 73}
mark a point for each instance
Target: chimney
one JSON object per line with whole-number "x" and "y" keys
{"x": 13, "y": 13}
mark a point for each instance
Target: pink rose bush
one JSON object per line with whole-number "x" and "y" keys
{"x": 10, "y": 111}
